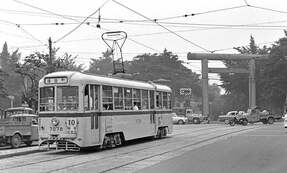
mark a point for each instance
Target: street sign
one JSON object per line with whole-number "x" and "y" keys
{"x": 185, "y": 91}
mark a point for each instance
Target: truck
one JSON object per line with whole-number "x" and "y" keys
{"x": 17, "y": 126}
{"x": 254, "y": 115}
{"x": 227, "y": 117}
{"x": 195, "y": 118}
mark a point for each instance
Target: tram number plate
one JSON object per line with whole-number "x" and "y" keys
{"x": 56, "y": 129}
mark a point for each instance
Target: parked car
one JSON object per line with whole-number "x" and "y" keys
{"x": 285, "y": 120}
{"x": 178, "y": 119}
{"x": 192, "y": 116}
{"x": 18, "y": 126}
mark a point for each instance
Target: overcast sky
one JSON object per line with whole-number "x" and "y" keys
{"x": 210, "y": 29}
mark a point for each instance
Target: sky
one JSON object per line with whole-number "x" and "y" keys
{"x": 218, "y": 25}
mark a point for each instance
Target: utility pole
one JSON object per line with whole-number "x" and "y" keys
{"x": 204, "y": 77}
{"x": 50, "y": 66}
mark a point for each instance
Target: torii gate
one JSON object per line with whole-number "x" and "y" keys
{"x": 204, "y": 57}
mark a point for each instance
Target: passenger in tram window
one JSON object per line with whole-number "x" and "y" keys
{"x": 86, "y": 98}
{"x": 136, "y": 108}
{"x": 108, "y": 106}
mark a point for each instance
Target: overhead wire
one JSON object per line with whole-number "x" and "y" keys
{"x": 22, "y": 29}
{"x": 14, "y": 35}
{"x": 51, "y": 12}
{"x": 194, "y": 44}
{"x": 207, "y": 12}
{"x": 74, "y": 29}
{"x": 70, "y": 18}
{"x": 174, "y": 24}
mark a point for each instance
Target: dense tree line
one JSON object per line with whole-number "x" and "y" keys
{"x": 271, "y": 78}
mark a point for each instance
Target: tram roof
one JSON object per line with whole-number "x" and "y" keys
{"x": 78, "y": 77}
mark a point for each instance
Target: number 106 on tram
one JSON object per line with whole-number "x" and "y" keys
{"x": 78, "y": 110}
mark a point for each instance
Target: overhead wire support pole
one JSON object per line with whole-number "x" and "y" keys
{"x": 50, "y": 62}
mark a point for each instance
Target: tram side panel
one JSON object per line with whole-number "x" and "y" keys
{"x": 132, "y": 125}
{"x": 166, "y": 118}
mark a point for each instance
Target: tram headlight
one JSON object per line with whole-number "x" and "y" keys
{"x": 55, "y": 122}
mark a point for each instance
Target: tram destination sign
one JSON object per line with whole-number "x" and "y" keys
{"x": 56, "y": 80}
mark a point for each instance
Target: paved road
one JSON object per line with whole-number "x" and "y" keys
{"x": 261, "y": 151}
{"x": 133, "y": 157}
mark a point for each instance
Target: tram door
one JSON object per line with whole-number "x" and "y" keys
{"x": 95, "y": 133}
{"x": 158, "y": 98}
{"x": 153, "y": 114}
{"x": 92, "y": 105}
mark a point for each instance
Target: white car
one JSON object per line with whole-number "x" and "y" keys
{"x": 285, "y": 120}
{"x": 178, "y": 119}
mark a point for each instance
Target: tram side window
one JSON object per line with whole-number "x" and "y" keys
{"x": 47, "y": 99}
{"x": 164, "y": 100}
{"x": 145, "y": 103}
{"x": 107, "y": 98}
{"x": 151, "y": 96}
{"x": 128, "y": 98}
{"x": 159, "y": 100}
{"x": 91, "y": 97}
{"x": 136, "y": 99}
{"x": 118, "y": 98}
{"x": 67, "y": 98}
{"x": 168, "y": 100}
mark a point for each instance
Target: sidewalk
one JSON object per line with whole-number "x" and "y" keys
{"x": 7, "y": 151}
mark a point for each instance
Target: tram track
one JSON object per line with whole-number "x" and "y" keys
{"x": 204, "y": 139}
{"x": 159, "y": 154}
{"x": 109, "y": 154}
{"x": 166, "y": 141}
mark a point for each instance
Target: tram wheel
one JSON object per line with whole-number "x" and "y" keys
{"x": 16, "y": 141}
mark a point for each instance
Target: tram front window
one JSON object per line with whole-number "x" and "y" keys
{"x": 67, "y": 98}
{"x": 47, "y": 99}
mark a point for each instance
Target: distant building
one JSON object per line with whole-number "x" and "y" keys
{"x": 191, "y": 103}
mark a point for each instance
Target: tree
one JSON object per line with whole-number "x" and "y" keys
{"x": 3, "y": 91}
{"x": 35, "y": 66}
{"x": 103, "y": 65}
{"x": 10, "y": 79}
{"x": 236, "y": 85}
{"x": 275, "y": 75}
{"x": 165, "y": 67}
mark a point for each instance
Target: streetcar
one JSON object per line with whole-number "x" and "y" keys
{"x": 78, "y": 110}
